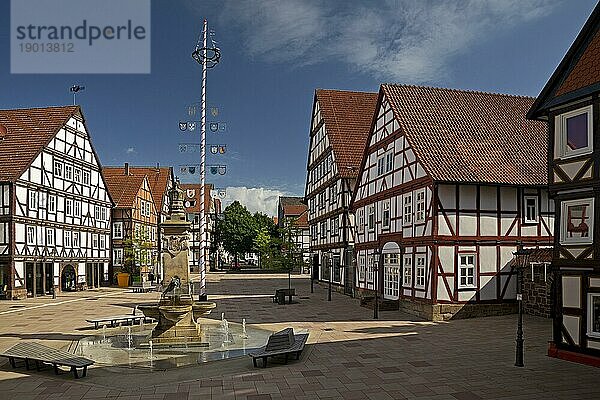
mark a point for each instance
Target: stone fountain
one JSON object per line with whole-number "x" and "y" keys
{"x": 176, "y": 312}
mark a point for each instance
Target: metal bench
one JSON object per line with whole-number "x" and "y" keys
{"x": 129, "y": 319}
{"x": 282, "y": 343}
{"x": 40, "y": 354}
{"x": 280, "y": 295}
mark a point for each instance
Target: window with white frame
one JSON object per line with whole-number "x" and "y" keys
{"x": 466, "y": 271}
{"x": 102, "y": 240}
{"x": 85, "y": 177}
{"x": 407, "y": 270}
{"x": 69, "y": 207}
{"x": 30, "y": 235}
{"x": 385, "y": 214}
{"x": 371, "y": 217}
{"x": 407, "y": 201}
{"x": 333, "y": 193}
{"x": 68, "y": 172}
{"x": 95, "y": 241}
{"x": 380, "y": 166}
{"x": 42, "y": 199}
{"x": 97, "y": 212}
{"x": 67, "y": 240}
{"x": 77, "y": 208}
{"x": 51, "y": 203}
{"x": 420, "y": 272}
{"x": 577, "y": 221}
{"x": 323, "y": 229}
{"x": 361, "y": 219}
{"x": 33, "y": 204}
{"x": 49, "y": 237}
{"x": 322, "y": 199}
{"x": 314, "y": 231}
{"x": 3, "y": 233}
{"x": 389, "y": 161}
{"x": 420, "y": 206}
{"x": 371, "y": 268}
{"x": 103, "y": 214}
{"x": 332, "y": 226}
{"x": 117, "y": 256}
{"x": 77, "y": 175}
{"x": 574, "y": 132}
{"x": 361, "y": 268}
{"x": 76, "y": 239}
{"x": 58, "y": 169}
{"x": 530, "y": 205}
{"x": 118, "y": 230}
{"x": 593, "y": 323}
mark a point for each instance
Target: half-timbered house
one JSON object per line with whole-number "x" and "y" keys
{"x": 161, "y": 181}
{"x": 212, "y": 206}
{"x": 570, "y": 103}
{"x": 134, "y": 222}
{"x": 293, "y": 211}
{"x": 338, "y": 131}
{"x": 54, "y": 206}
{"x": 450, "y": 184}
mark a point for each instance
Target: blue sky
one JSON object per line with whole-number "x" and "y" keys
{"x": 275, "y": 53}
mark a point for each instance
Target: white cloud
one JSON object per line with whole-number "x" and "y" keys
{"x": 130, "y": 150}
{"x": 255, "y": 199}
{"x": 403, "y": 40}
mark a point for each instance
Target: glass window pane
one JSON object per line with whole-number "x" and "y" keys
{"x": 596, "y": 314}
{"x": 577, "y": 136}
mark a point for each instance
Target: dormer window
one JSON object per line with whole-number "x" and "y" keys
{"x": 574, "y": 133}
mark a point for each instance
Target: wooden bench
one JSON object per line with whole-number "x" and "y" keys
{"x": 142, "y": 288}
{"x": 40, "y": 354}
{"x": 280, "y": 295}
{"x": 282, "y": 343}
{"x": 128, "y": 319}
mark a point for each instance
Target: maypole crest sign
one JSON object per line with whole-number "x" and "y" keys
{"x": 80, "y": 36}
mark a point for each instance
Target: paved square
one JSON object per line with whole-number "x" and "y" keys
{"x": 349, "y": 356}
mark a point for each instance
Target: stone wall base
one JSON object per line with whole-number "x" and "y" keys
{"x": 16, "y": 294}
{"x": 445, "y": 312}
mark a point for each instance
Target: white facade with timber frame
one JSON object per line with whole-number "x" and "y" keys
{"x": 570, "y": 103}
{"x": 54, "y": 206}
{"x": 446, "y": 204}
{"x": 338, "y": 131}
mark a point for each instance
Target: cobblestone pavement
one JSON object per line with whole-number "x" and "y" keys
{"x": 349, "y": 356}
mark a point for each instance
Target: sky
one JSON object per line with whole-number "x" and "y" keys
{"x": 274, "y": 54}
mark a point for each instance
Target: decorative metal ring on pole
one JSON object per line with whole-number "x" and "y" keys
{"x": 212, "y": 55}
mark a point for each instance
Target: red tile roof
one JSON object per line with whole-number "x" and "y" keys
{"x": 158, "y": 178}
{"x": 196, "y": 197}
{"x": 28, "y": 131}
{"x": 347, "y": 117}
{"x": 293, "y": 210}
{"x": 122, "y": 188}
{"x": 302, "y": 221}
{"x": 468, "y": 136}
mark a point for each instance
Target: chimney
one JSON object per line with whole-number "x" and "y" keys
{"x": 126, "y": 168}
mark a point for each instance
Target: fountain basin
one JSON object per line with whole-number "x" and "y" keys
{"x": 174, "y": 313}
{"x": 202, "y": 308}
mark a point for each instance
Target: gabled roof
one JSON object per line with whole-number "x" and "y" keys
{"x": 471, "y": 137}
{"x": 158, "y": 178}
{"x": 195, "y": 208}
{"x": 347, "y": 117}
{"x": 28, "y": 131}
{"x": 302, "y": 220}
{"x": 122, "y": 188}
{"x": 290, "y": 201}
{"x": 578, "y": 74}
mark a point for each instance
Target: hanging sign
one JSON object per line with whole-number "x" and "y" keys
{"x": 183, "y": 170}
{"x": 222, "y": 193}
{"x": 222, "y": 169}
{"x": 191, "y": 192}
{"x": 192, "y": 170}
{"x": 222, "y": 148}
{"x": 214, "y": 126}
{"x": 214, "y": 149}
{"x": 192, "y": 125}
{"x": 182, "y": 125}
{"x": 214, "y": 169}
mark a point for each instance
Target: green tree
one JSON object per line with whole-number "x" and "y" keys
{"x": 137, "y": 252}
{"x": 238, "y": 230}
{"x": 262, "y": 245}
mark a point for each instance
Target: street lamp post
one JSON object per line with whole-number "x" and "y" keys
{"x": 376, "y": 255}
{"x": 329, "y": 268}
{"x": 312, "y": 273}
{"x": 521, "y": 258}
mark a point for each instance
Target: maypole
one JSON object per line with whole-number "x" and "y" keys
{"x": 208, "y": 58}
